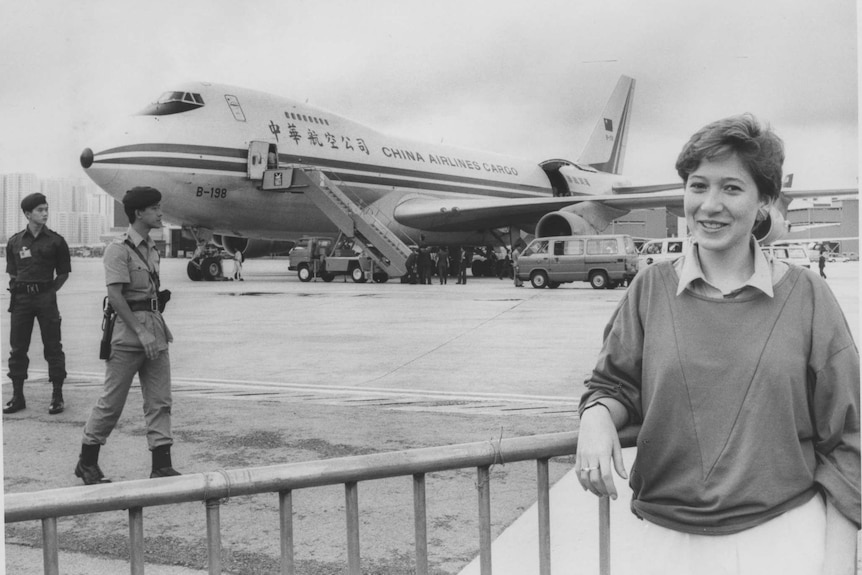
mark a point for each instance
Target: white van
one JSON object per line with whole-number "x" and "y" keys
{"x": 795, "y": 255}
{"x": 604, "y": 261}
{"x": 667, "y": 249}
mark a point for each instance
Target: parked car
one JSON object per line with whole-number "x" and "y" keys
{"x": 604, "y": 261}
{"x": 661, "y": 250}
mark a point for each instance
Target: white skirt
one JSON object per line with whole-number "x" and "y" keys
{"x": 791, "y": 544}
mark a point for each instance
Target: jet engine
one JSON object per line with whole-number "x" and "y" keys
{"x": 252, "y": 248}
{"x": 562, "y": 223}
{"x": 774, "y": 227}
{"x": 580, "y": 219}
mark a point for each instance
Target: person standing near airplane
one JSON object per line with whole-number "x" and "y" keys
{"x": 515, "y": 253}
{"x": 744, "y": 377}
{"x": 425, "y": 265}
{"x": 443, "y": 263}
{"x": 237, "y": 265}
{"x": 466, "y": 261}
{"x": 821, "y": 263}
{"x": 139, "y": 344}
{"x": 33, "y": 257}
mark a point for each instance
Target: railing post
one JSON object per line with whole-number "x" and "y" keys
{"x": 484, "y": 487}
{"x": 544, "y": 507}
{"x": 285, "y": 512}
{"x": 136, "y": 540}
{"x": 213, "y": 536}
{"x": 605, "y": 535}
{"x": 351, "y": 493}
{"x": 50, "y": 561}
{"x": 420, "y": 523}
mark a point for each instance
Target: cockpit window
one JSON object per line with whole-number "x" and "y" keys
{"x": 173, "y": 103}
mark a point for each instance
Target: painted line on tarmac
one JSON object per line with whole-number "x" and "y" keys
{"x": 380, "y": 393}
{"x": 465, "y": 403}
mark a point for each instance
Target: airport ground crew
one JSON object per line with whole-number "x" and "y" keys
{"x": 139, "y": 343}
{"x": 38, "y": 263}
{"x": 821, "y": 263}
{"x": 455, "y": 262}
{"x": 515, "y": 253}
{"x": 410, "y": 264}
{"x": 237, "y": 262}
{"x": 443, "y": 264}
{"x": 465, "y": 262}
{"x": 425, "y": 265}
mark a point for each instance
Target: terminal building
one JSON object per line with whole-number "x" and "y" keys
{"x": 810, "y": 222}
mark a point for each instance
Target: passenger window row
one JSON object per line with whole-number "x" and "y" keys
{"x": 305, "y": 118}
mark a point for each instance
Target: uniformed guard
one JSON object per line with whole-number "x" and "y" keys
{"x": 139, "y": 343}
{"x": 33, "y": 257}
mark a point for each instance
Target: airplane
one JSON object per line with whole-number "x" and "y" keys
{"x": 243, "y": 168}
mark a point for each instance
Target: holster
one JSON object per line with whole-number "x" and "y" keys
{"x": 164, "y": 296}
{"x": 109, "y": 316}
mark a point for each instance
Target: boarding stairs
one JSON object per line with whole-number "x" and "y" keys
{"x": 381, "y": 244}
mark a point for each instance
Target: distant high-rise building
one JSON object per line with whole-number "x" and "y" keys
{"x": 15, "y": 188}
{"x": 57, "y": 200}
{"x": 67, "y": 224}
{"x": 77, "y": 209}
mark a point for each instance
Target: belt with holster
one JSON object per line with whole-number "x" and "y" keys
{"x": 32, "y": 288}
{"x": 144, "y": 305}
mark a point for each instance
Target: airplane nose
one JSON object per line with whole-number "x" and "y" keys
{"x": 86, "y": 158}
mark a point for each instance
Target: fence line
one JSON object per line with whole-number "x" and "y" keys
{"x": 212, "y": 487}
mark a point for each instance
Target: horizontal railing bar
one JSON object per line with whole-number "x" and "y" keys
{"x": 289, "y": 476}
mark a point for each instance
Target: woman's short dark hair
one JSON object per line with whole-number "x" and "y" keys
{"x": 758, "y": 147}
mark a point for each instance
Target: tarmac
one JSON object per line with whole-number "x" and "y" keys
{"x": 405, "y": 365}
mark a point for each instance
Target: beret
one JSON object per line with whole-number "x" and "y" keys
{"x": 141, "y": 197}
{"x": 33, "y": 201}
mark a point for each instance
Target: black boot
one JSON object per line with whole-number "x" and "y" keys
{"x": 57, "y": 405}
{"x": 17, "y": 402}
{"x": 88, "y": 465}
{"x": 162, "y": 466}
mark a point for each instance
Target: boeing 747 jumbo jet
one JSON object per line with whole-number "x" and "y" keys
{"x": 247, "y": 169}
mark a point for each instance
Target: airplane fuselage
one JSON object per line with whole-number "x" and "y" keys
{"x": 202, "y": 156}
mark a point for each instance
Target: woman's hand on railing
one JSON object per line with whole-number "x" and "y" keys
{"x": 599, "y": 452}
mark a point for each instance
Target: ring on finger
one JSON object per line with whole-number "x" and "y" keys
{"x": 588, "y": 468}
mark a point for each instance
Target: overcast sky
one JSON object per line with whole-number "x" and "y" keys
{"x": 525, "y": 78}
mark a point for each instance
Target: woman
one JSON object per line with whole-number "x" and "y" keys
{"x": 744, "y": 378}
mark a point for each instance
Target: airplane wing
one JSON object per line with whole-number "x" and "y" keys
{"x": 458, "y": 214}
{"x": 469, "y": 213}
{"x": 827, "y": 193}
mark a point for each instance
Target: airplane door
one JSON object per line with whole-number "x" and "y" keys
{"x": 257, "y": 153}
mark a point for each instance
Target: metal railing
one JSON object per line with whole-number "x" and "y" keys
{"x": 213, "y": 487}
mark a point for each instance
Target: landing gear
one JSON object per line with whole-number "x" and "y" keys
{"x": 211, "y": 268}
{"x": 194, "y": 271}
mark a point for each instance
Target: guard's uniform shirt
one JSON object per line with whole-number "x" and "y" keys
{"x": 37, "y": 259}
{"x": 123, "y": 266}
{"x": 33, "y": 261}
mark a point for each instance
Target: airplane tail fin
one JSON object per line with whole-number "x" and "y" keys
{"x": 606, "y": 148}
